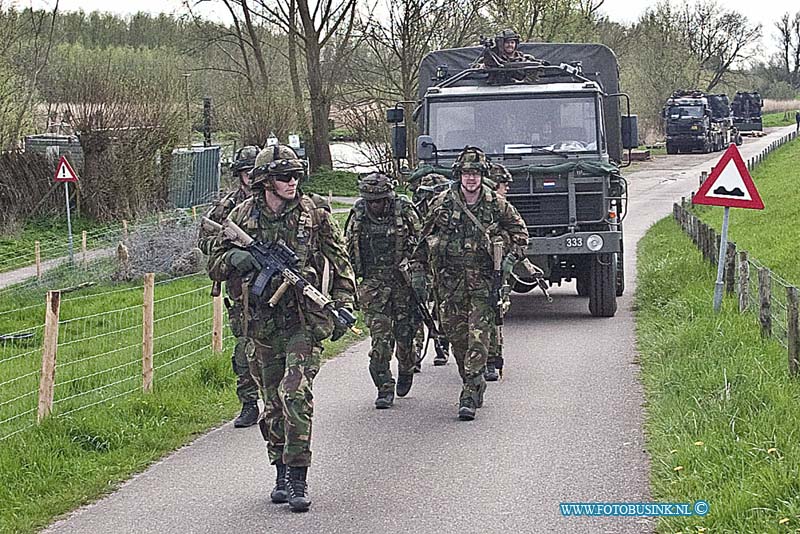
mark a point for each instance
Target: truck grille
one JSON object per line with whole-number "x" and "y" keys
{"x": 544, "y": 200}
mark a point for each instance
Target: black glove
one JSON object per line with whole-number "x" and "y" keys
{"x": 339, "y": 329}
{"x": 241, "y": 260}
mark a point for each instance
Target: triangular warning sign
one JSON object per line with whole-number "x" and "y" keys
{"x": 64, "y": 172}
{"x": 729, "y": 184}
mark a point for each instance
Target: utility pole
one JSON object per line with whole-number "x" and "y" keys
{"x": 188, "y": 116}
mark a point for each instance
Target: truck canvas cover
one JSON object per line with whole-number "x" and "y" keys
{"x": 598, "y": 61}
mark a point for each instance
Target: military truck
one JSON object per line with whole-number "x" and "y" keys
{"x": 746, "y": 108}
{"x": 555, "y": 124}
{"x": 696, "y": 121}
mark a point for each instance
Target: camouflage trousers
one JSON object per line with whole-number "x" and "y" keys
{"x": 284, "y": 366}
{"x": 392, "y": 321}
{"x": 468, "y": 322}
{"x": 246, "y": 387}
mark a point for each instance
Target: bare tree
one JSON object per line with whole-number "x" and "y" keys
{"x": 325, "y": 33}
{"x": 127, "y": 105}
{"x": 789, "y": 42}
{"x": 718, "y": 38}
{"x": 41, "y": 26}
{"x": 547, "y": 20}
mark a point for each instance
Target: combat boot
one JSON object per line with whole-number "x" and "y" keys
{"x": 279, "y": 493}
{"x": 385, "y": 398}
{"x": 249, "y": 415}
{"x": 299, "y": 500}
{"x": 466, "y": 408}
{"x": 440, "y": 360}
{"x": 404, "y": 384}
{"x": 490, "y": 374}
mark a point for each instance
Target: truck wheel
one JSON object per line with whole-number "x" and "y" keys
{"x": 603, "y": 286}
{"x": 671, "y": 149}
{"x": 620, "y": 274}
{"x": 582, "y": 284}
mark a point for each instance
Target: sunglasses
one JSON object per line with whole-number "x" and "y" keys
{"x": 288, "y": 177}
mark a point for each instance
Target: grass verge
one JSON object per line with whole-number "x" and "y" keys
{"x": 17, "y": 250}
{"x": 75, "y": 458}
{"x": 722, "y": 418}
{"x": 780, "y": 118}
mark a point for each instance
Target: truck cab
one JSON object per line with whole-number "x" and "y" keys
{"x": 559, "y": 132}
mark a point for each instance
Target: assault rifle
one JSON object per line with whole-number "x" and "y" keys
{"x": 275, "y": 259}
{"x": 499, "y": 286}
{"x": 434, "y": 333}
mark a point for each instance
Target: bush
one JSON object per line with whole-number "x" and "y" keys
{"x": 325, "y": 180}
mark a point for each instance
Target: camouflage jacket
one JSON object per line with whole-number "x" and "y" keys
{"x": 452, "y": 240}
{"x": 219, "y": 213}
{"x": 312, "y": 233}
{"x": 378, "y": 246}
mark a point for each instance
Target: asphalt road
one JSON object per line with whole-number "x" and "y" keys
{"x": 565, "y": 424}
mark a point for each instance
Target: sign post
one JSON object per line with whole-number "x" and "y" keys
{"x": 730, "y": 186}
{"x": 64, "y": 173}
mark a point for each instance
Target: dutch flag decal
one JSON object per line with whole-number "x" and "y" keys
{"x": 548, "y": 183}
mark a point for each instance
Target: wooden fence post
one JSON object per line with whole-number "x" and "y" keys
{"x": 47, "y": 379}
{"x": 37, "y": 252}
{"x": 83, "y": 248}
{"x": 124, "y": 231}
{"x": 703, "y": 177}
{"x": 765, "y": 298}
{"x": 744, "y": 282}
{"x": 147, "y": 332}
{"x": 730, "y": 269}
{"x": 194, "y": 213}
{"x": 216, "y": 332}
{"x": 792, "y": 329}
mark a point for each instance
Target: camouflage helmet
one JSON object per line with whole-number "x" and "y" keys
{"x": 500, "y": 174}
{"x": 245, "y": 159}
{"x": 267, "y": 156}
{"x": 471, "y": 158}
{"x": 509, "y": 34}
{"x": 376, "y": 186}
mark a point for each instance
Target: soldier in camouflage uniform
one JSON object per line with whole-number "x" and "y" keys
{"x": 425, "y": 189}
{"x": 246, "y": 388}
{"x": 381, "y": 234}
{"x": 501, "y": 178}
{"x": 457, "y": 233}
{"x": 285, "y": 341}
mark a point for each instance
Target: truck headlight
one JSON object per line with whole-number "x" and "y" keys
{"x": 594, "y": 242}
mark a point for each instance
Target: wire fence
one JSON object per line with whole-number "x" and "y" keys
{"x": 103, "y": 349}
{"x": 759, "y": 290}
{"x": 54, "y": 250}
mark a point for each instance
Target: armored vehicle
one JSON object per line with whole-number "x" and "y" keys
{"x": 746, "y": 109}
{"x": 696, "y": 121}
{"x": 555, "y": 123}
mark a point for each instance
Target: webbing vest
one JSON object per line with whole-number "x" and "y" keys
{"x": 461, "y": 242}
{"x": 305, "y": 224}
{"x": 372, "y": 247}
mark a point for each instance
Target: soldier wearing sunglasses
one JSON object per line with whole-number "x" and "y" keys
{"x": 285, "y": 340}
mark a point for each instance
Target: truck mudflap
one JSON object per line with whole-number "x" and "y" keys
{"x": 576, "y": 243}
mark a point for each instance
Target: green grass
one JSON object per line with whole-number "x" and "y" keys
{"x": 769, "y": 235}
{"x": 722, "y": 420}
{"x": 74, "y": 458}
{"x": 17, "y": 249}
{"x": 778, "y": 119}
{"x": 341, "y": 183}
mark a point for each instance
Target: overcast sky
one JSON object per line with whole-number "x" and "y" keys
{"x": 767, "y": 12}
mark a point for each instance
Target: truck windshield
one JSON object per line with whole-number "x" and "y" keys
{"x": 516, "y": 125}
{"x": 689, "y": 112}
